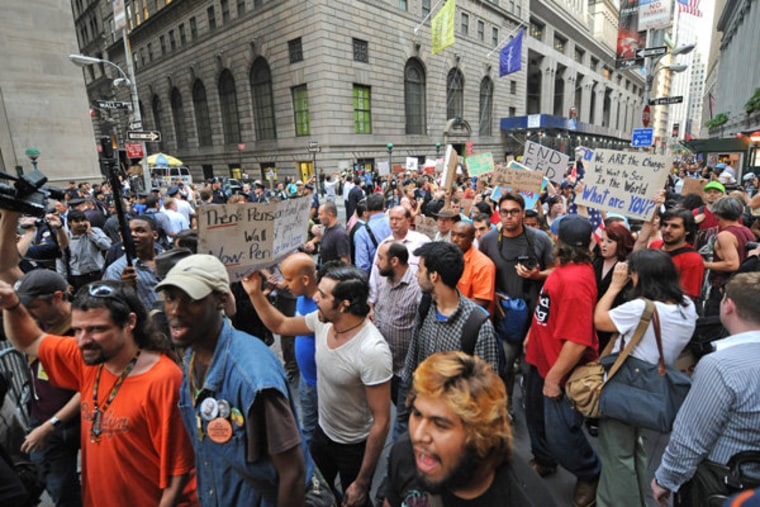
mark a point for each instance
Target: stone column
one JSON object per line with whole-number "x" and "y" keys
{"x": 548, "y": 71}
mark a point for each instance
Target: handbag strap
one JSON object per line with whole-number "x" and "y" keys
{"x": 658, "y": 337}
{"x": 646, "y": 317}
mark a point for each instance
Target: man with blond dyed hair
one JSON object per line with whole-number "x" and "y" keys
{"x": 460, "y": 441}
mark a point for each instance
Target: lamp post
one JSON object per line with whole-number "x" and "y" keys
{"x": 129, "y": 80}
{"x": 437, "y": 150}
{"x": 34, "y": 154}
{"x": 652, "y": 70}
{"x": 390, "y": 157}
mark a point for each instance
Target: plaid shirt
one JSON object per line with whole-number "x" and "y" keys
{"x": 396, "y": 313}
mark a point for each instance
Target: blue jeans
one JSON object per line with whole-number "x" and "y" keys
{"x": 556, "y": 431}
{"x": 57, "y": 465}
{"x": 307, "y": 395}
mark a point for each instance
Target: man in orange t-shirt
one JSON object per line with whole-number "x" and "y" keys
{"x": 478, "y": 280}
{"x": 135, "y": 450}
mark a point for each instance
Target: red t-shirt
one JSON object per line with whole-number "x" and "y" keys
{"x": 144, "y": 442}
{"x": 564, "y": 312}
{"x": 690, "y": 266}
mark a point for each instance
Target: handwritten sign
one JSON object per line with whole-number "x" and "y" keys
{"x": 480, "y": 163}
{"x": 543, "y": 159}
{"x": 623, "y": 182}
{"x": 246, "y": 237}
{"x": 518, "y": 179}
{"x": 383, "y": 169}
{"x": 426, "y": 226}
{"x": 411, "y": 163}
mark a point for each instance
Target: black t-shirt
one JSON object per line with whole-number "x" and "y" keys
{"x": 513, "y": 485}
{"x": 334, "y": 244}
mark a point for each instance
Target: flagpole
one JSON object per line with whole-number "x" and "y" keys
{"x": 416, "y": 29}
{"x": 510, "y": 34}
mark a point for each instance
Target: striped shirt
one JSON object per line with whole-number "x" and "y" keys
{"x": 721, "y": 415}
{"x": 395, "y": 314}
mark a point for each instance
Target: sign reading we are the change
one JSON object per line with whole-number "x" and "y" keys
{"x": 543, "y": 159}
{"x": 247, "y": 237}
{"x": 623, "y": 182}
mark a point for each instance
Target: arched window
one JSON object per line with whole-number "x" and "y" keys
{"x": 202, "y": 122}
{"x": 454, "y": 94}
{"x": 486, "y": 106}
{"x": 157, "y": 117}
{"x": 178, "y": 114}
{"x": 414, "y": 97}
{"x": 228, "y": 101}
{"x": 263, "y": 101}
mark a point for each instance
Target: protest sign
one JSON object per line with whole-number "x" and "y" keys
{"x": 246, "y": 237}
{"x": 449, "y": 167}
{"x": 411, "y": 163}
{"x": 480, "y": 163}
{"x": 693, "y": 186}
{"x": 426, "y": 226}
{"x": 466, "y": 206}
{"x": 383, "y": 169}
{"x": 518, "y": 179}
{"x": 623, "y": 182}
{"x": 545, "y": 160}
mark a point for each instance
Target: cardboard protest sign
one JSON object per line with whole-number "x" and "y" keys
{"x": 693, "y": 186}
{"x": 449, "y": 167}
{"x": 466, "y": 206}
{"x": 246, "y": 237}
{"x": 517, "y": 179}
{"x": 545, "y": 160}
{"x": 480, "y": 163}
{"x": 383, "y": 169}
{"x": 426, "y": 225}
{"x": 623, "y": 182}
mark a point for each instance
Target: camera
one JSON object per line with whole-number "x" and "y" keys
{"x": 527, "y": 261}
{"x": 751, "y": 245}
{"x": 28, "y": 194}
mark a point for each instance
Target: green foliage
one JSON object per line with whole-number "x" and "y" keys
{"x": 753, "y": 104}
{"x": 718, "y": 120}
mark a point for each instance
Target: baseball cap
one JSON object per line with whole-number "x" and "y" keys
{"x": 198, "y": 275}
{"x": 575, "y": 230}
{"x": 166, "y": 260}
{"x": 299, "y": 182}
{"x": 39, "y": 283}
{"x": 716, "y": 185}
{"x": 446, "y": 213}
{"x": 172, "y": 191}
{"x": 748, "y": 176}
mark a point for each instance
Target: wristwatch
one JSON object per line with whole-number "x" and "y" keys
{"x": 55, "y": 421}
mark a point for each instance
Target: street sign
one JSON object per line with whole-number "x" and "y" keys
{"x": 646, "y": 116}
{"x": 663, "y": 101}
{"x": 648, "y": 52}
{"x": 151, "y": 136}
{"x": 135, "y": 125}
{"x": 134, "y": 150}
{"x": 642, "y": 138}
{"x": 627, "y": 63}
{"x": 112, "y": 104}
{"x": 313, "y": 147}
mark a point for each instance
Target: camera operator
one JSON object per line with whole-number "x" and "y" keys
{"x": 85, "y": 257}
{"x": 41, "y": 241}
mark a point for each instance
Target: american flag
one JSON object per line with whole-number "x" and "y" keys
{"x": 690, "y": 7}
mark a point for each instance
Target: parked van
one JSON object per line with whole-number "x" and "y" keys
{"x": 168, "y": 176}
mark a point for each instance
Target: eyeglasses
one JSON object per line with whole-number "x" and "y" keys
{"x": 506, "y": 212}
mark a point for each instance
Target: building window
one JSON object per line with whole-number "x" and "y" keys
{"x": 182, "y": 37}
{"x": 536, "y": 30}
{"x": 606, "y": 72}
{"x": 481, "y": 31}
{"x": 465, "y": 20}
{"x": 494, "y": 37}
{"x": 225, "y": 11}
{"x": 486, "y": 106}
{"x": 157, "y": 116}
{"x": 202, "y": 120}
{"x": 513, "y": 87}
{"x": 240, "y": 7}
{"x": 142, "y": 56}
{"x": 361, "y": 51}
{"x": 150, "y": 52}
{"x": 560, "y": 43}
{"x": 172, "y": 40}
{"x": 263, "y": 100}
{"x": 579, "y": 54}
{"x": 455, "y": 94}
{"x": 594, "y": 63}
{"x": 403, "y": 5}
{"x": 257, "y": 4}
{"x": 162, "y": 42}
{"x": 228, "y": 102}
{"x": 178, "y": 114}
{"x": 362, "y": 109}
{"x": 193, "y": 29}
{"x": 211, "y": 18}
{"x": 301, "y": 110}
{"x": 414, "y": 97}
{"x": 295, "y": 51}
{"x": 512, "y": 112}
{"x": 425, "y": 8}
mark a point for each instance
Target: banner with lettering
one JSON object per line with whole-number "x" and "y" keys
{"x": 623, "y": 182}
{"x": 546, "y": 160}
{"x": 247, "y": 237}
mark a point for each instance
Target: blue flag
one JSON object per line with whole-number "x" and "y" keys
{"x": 510, "y": 56}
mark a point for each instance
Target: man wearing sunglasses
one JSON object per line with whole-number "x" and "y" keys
{"x": 131, "y": 451}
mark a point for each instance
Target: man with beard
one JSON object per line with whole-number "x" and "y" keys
{"x": 131, "y": 451}
{"x": 458, "y": 448}
{"x": 354, "y": 369}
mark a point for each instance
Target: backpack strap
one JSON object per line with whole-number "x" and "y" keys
{"x": 471, "y": 329}
{"x": 679, "y": 251}
{"x": 371, "y": 234}
{"x": 423, "y": 308}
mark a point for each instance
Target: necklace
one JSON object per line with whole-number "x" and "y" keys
{"x": 192, "y": 379}
{"x": 349, "y": 329}
{"x": 95, "y": 430}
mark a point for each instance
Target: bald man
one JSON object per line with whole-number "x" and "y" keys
{"x": 299, "y": 272}
{"x": 479, "y": 275}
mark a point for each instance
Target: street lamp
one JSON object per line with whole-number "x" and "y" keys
{"x": 437, "y": 150}
{"x": 82, "y": 60}
{"x": 33, "y": 154}
{"x": 390, "y": 157}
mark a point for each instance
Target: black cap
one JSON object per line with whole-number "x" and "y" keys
{"x": 142, "y": 194}
{"x": 165, "y": 261}
{"x": 575, "y": 230}
{"x": 172, "y": 191}
{"x": 39, "y": 283}
{"x": 75, "y": 202}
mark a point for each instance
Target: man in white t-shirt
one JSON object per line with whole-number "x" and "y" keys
{"x": 354, "y": 369}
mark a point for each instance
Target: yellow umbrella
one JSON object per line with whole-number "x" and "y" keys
{"x": 163, "y": 160}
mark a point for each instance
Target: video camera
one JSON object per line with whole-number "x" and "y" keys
{"x": 28, "y": 194}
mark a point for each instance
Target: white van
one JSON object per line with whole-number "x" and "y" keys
{"x": 168, "y": 176}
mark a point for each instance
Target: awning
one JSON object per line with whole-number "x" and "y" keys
{"x": 725, "y": 145}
